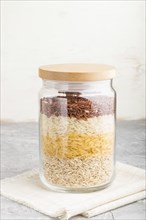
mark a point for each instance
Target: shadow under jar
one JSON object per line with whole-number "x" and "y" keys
{"x": 77, "y": 127}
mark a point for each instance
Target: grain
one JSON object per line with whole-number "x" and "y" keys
{"x": 91, "y": 172}
{"x": 60, "y": 126}
{"x": 78, "y": 145}
{"x": 72, "y": 105}
{"x": 77, "y": 139}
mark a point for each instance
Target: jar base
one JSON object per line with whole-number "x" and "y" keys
{"x": 52, "y": 187}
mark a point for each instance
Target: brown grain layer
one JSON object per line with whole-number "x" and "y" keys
{"x": 73, "y": 105}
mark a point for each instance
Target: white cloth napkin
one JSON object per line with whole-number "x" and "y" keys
{"x": 128, "y": 186}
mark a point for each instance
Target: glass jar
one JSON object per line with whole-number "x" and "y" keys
{"x": 77, "y": 127}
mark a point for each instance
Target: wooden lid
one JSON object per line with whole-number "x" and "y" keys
{"x": 77, "y": 72}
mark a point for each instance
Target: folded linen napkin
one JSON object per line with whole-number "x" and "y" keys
{"x": 128, "y": 186}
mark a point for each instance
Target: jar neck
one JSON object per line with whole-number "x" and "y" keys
{"x": 76, "y": 86}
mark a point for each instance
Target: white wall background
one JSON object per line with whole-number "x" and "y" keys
{"x": 35, "y": 33}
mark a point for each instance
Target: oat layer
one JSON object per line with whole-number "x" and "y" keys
{"x": 91, "y": 172}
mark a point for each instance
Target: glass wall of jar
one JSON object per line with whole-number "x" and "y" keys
{"x": 77, "y": 127}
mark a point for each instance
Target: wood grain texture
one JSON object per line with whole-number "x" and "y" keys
{"x": 77, "y": 72}
{"x": 19, "y": 153}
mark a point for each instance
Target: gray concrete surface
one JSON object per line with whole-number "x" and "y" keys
{"x": 19, "y": 153}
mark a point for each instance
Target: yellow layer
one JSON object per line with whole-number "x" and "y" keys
{"x": 76, "y": 145}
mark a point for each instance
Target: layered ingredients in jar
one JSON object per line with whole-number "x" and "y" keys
{"x": 77, "y": 139}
